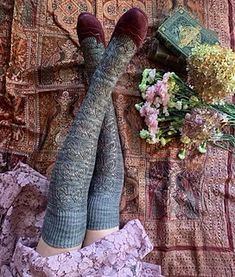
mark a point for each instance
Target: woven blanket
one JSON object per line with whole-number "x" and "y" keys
{"x": 187, "y": 207}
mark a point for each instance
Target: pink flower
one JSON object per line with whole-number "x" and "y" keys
{"x": 152, "y": 123}
{"x": 162, "y": 91}
{"x": 165, "y": 99}
{"x": 151, "y": 120}
{"x": 150, "y": 94}
{"x": 151, "y": 115}
{"x": 157, "y": 102}
{"x": 161, "y": 87}
{"x": 153, "y": 131}
{"x": 147, "y": 109}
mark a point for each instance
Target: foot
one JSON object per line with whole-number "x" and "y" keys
{"x": 89, "y": 26}
{"x": 134, "y": 24}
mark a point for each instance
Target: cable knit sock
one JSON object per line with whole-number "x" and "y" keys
{"x": 107, "y": 181}
{"x": 65, "y": 220}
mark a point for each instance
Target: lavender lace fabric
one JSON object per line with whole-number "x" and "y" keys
{"x": 23, "y": 199}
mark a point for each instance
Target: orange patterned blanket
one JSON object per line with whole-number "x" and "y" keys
{"x": 187, "y": 208}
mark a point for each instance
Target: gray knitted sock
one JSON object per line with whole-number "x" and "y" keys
{"x": 66, "y": 215}
{"x": 92, "y": 52}
{"x": 107, "y": 181}
{"x": 108, "y": 177}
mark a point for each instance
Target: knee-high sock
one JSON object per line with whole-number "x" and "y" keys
{"x": 108, "y": 177}
{"x": 107, "y": 181}
{"x": 66, "y": 215}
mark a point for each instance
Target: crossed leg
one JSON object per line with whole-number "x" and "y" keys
{"x": 70, "y": 211}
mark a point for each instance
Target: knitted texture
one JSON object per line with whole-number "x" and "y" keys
{"x": 65, "y": 221}
{"x": 108, "y": 177}
{"x": 92, "y": 52}
{"x": 107, "y": 181}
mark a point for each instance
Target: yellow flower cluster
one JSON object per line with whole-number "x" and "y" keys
{"x": 211, "y": 71}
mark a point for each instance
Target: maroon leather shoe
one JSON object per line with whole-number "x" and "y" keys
{"x": 89, "y": 26}
{"x": 134, "y": 24}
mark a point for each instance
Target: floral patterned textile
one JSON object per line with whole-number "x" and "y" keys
{"x": 22, "y": 202}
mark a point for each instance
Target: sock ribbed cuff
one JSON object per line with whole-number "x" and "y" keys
{"x": 103, "y": 211}
{"x": 64, "y": 228}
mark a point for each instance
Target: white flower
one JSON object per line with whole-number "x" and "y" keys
{"x": 152, "y": 74}
{"x": 178, "y": 105}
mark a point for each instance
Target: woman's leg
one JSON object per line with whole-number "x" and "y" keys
{"x": 108, "y": 177}
{"x": 109, "y": 171}
{"x": 65, "y": 221}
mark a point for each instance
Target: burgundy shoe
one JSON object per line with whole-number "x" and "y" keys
{"x": 89, "y": 26}
{"x": 134, "y": 24}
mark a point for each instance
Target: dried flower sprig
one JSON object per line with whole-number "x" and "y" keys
{"x": 211, "y": 72}
{"x": 200, "y": 126}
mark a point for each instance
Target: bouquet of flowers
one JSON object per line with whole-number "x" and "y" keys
{"x": 195, "y": 112}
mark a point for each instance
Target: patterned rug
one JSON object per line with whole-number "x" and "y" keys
{"x": 187, "y": 208}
